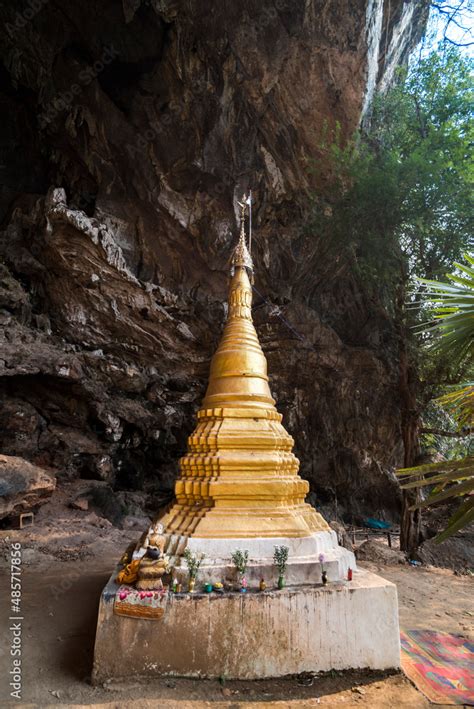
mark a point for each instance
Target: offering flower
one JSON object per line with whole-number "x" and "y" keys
{"x": 280, "y": 559}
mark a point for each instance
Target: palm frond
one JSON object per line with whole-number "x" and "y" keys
{"x": 452, "y": 478}
{"x": 460, "y": 404}
{"x": 452, "y": 330}
{"x": 453, "y": 312}
{"x": 445, "y": 465}
{"x": 463, "y": 517}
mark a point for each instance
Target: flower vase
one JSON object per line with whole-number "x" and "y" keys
{"x": 191, "y": 585}
{"x": 324, "y": 578}
{"x": 281, "y": 582}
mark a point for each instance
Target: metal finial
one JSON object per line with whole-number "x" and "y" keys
{"x": 243, "y": 206}
{"x": 241, "y": 255}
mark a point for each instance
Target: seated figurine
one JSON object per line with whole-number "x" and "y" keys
{"x": 155, "y": 529}
{"x": 145, "y": 562}
{"x": 153, "y": 563}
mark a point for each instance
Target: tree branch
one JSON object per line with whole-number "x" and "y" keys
{"x": 458, "y": 44}
{"x": 452, "y": 13}
{"x": 448, "y": 434}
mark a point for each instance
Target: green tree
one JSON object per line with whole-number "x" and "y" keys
{"x": 399, "y": 206}
{"x": 400, "y": 193}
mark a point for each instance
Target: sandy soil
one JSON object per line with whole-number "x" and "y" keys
{"x": 59, "y": 606}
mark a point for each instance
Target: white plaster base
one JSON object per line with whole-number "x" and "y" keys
{"x": 254, "y": 635}
{"x": 304, "y": 566}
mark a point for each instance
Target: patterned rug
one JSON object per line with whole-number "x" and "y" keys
{"x": 440, "y": 665}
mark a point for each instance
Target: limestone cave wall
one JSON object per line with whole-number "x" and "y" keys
{"x": 129, "y": 130}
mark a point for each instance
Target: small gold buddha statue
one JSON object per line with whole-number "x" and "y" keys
{"x": 154, "y": 564}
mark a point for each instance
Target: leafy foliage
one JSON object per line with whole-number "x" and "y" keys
{"x": 193, "y": 562}
{"x": 444, "y": 433}
{"x": 454, "y": 331}
{"x": 398, "y": 207}
{"x": 458, "y": 472}
{"x": 280, "y": 558}
{"x": 398, "y": 202}
{"x": 454, "y": 318}
{"x": 461, "y": 404}
{"x": 240, "y": 560}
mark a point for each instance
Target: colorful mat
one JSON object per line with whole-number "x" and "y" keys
{"x": 140, "y": 604}
{"x": 440, "y": 665}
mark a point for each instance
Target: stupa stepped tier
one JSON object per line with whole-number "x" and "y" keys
{"x": 239, "y": 492}
{"x": 239, "y": 485}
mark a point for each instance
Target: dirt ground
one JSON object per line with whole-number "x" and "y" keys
{"x": 66, "y": 564}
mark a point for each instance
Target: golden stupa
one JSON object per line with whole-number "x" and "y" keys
{"x": 239, "y": 477}
{"x": 239, "y": 490}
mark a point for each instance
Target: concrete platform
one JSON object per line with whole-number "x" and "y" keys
{"x": 254, "y": 635}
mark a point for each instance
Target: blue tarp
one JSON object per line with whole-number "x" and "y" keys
{"x": 376, "y": 523}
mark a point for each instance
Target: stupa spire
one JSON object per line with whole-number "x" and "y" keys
{"x": 239, "y": 477}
